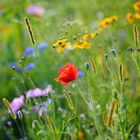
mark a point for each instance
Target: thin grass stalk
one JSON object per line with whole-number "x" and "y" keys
{"x": 52, "y": 126}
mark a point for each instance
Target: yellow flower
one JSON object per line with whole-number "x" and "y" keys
{"x": 5, "y": 29}
{"x": 130, "y": 18}
{"x": 82, "y": 44}
{"x": 113, "y": 18}
{"x": 60, "y": 42}
{"x": 106, "y": 21}
{"x": 137, "y": 15}
{"x": 88, "y": 36}
{"x": 136, "y": 6}
{"x": 81, "y": 135}
{"x": 61, "y": 45}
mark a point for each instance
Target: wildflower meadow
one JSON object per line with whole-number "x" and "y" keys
{"x": 69, "y": 70}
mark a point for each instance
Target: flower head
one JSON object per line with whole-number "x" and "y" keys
{"x": 28, "y": 51}
{"x": 12, "y": 64}
{"x": 104, "y": 23}
{"x": 80, "y": 74}
{"x": 42, "y": 107}
{"x": 113, "y": 18}
{"x": 15, "y": 67}
{"x": 137, "y": 15}
{"x": 42, "y": 46}
{"x": 107, "y": 21}
{"x": 90, "y": 35}
{"x": 136, "y": 6}
{"x": 67, "y": 74}
{"x": 82, "y": 44}
{"x": 35, "y": 10}
{"x": 61, "y": 45}
{"x": 130, "y": 18}
{"x": 30, "y": 66}
{"x": 37, "y": 92}
{"x": 17, "y": 103}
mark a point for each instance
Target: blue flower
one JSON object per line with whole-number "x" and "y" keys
{"x": 43, "y": 111}
{"x": 80, "y": 74}
{"x": 30, "y": 66}
{"x": 29, "y": 51}
{"x": 47, "y": 103}
{"x": 42, "y": 46}
{"x": 18, "y": 70}
{"x": 12, "y": 64}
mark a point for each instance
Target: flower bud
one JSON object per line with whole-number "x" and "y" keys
{"x": 87, "y": 65}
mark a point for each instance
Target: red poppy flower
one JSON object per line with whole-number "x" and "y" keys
{"x": 67, "y": 74}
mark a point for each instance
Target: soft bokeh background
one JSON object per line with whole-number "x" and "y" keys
{"x": 58, "y": 19}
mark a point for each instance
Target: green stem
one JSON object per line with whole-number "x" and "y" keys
{"x": 137, "y": 66}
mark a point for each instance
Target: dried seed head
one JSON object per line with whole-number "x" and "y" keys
{"x": 30, "y": 30}
{"x": 136, "y": 35}
{"x": 92, "y": 64}
{"x": 111, "y": 113}
{"x": 69, "y": 100}
{"x": 7, "y": 104}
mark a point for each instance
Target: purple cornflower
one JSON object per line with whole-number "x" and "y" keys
{"x": 30, "y": 66}
{"x": 47, "y": 103}
{"x": 42, "y": 107}
{"x": 36, "y": 108}
{"x": 28, "y": 51}
{"x": 25, "y": 111}
{"x": 80, "y": 74}
{"x": 43, "y": 111}
{"x": 38, "y": 92}
{"x": 17, "y": 103}
{"x": 42, "y": 46}
{"x": 35, "y": 10}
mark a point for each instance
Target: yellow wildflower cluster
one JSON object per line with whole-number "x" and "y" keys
{"x": 83, "y": 43}
{"x": 107, "y": 21}
{"x": 133, "y": 17}
{"x": 90, "y": 35}
{"x": 61, "y": 44}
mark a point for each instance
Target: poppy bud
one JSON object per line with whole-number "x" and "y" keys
{"x": 114, "y": 53}
{"x": 87, "y": 65}
{"x": 106, "y": 56}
